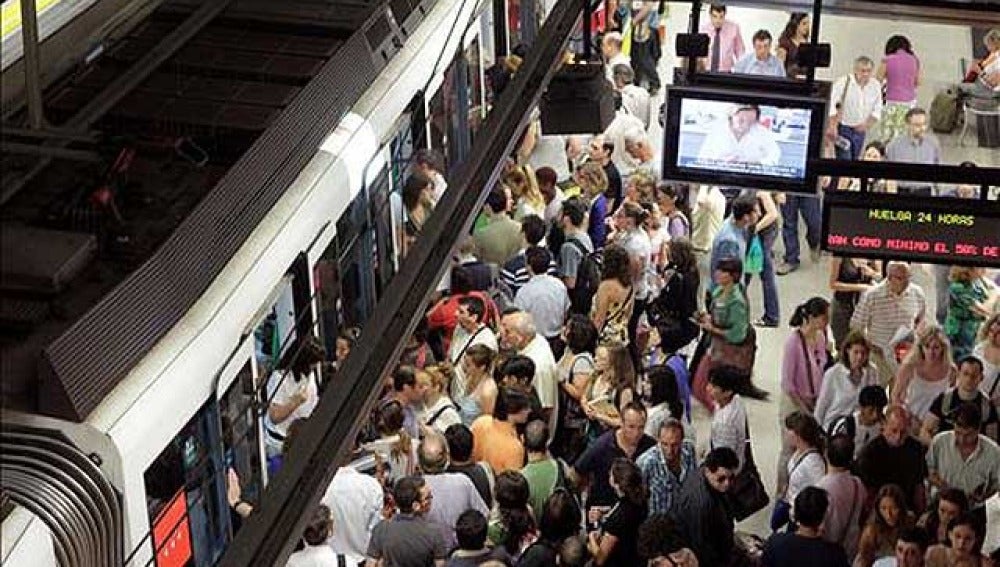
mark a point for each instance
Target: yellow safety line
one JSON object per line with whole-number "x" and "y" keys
{"x": 10, "y": 14}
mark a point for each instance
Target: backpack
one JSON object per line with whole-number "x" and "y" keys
{"x": 944, "y": 112}
{"x": 588, "y": 277}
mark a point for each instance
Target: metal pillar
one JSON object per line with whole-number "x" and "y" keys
{"x": 32, "y": 81}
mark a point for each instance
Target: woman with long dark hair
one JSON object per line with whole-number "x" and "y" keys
{"x": 951, "y": 503}
{"x": 899, "y": 72}
{"x": 806, "y": 465}
{"x": 615, "y": 297}
{"x": 512, "y": 525}
{"x": 889, "y": 516}
{"x": 576, "y": 371}
{"x": 803, "y": 363}
{"x": 796, "y": 33}
{"x": 671, "y": 312}
{"x": 616, "y": 544}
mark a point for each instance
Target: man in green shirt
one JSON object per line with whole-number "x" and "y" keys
{"x": 543, "y": 472}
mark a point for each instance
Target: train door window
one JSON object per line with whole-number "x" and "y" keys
{"x": 186, "y": 494}
{"x": 439, "y": 123}
{"x": 474, "y": 89}
{"x": 241, "y": 433}
{"x": 276, "y": 332}
{"x": 381, "y": 218}
{"x": 514, "y": 23}
{"x": 331, "y": 314}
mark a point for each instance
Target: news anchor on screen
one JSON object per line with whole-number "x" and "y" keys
{"x": 741, "y": 139}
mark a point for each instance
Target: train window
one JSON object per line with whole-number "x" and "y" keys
{"x": 330, "y": 310}
{"x": 240, "y": 434}
{"x": 186, "y": 493}
{"x": 477, "y": 102}
{"x": 381, "y": 211}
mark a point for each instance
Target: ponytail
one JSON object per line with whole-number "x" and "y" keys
{"x": 814, "y": 307}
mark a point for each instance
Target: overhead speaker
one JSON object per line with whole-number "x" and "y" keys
{"x": 691, "y": 45}
{"x": 579, "y": 100}
{"x": 813, "y": 55}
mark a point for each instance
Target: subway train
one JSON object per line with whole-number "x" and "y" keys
{"x": 156, "y": 450}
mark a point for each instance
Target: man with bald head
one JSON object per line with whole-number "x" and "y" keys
{"x": 883, "y": 310}
{"x": 453, "y": 493}
{"x": 896, "y": 457}
{"x": 518, "y": 334}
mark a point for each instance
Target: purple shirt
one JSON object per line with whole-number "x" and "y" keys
{"x": 901, "y": 69}
{"x": 796, "y": 369}
{"x": 730, "y": 44}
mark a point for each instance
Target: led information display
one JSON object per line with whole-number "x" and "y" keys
{"x": 913, "y": 229}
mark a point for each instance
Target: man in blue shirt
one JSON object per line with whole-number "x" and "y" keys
{"x": 732, "y": 239}
{"x": 761, "y": 61}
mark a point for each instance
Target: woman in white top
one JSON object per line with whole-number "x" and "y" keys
{"x": 395, "y": 452}
{"x": 988, "y": 351}
{"x": 927, "y": 371}
{"x": 729, "y": 422}
{"x": 293, "y": 392}
{"x": 806, "y": 467}
{"x": 439, "y": 411}
{"x": 838, "y": 393}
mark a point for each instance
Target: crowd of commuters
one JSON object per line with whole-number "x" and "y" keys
{"x": 541, "y": 414}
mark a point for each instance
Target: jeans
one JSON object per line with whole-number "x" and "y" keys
{"x": 857, "y": 143}
{"x": 809, "y": 207}
{"x": 772, "y": 309}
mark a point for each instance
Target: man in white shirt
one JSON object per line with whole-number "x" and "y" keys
{"x": 857, "y": 100}
{"x": 635, "y": 99}
{"x": 355, "y": 502}
{"x": 742, "y": 140}
{"x": 883, "y": 309}
{"x": 611, "y": 49}
{"x": 545, "y": 297}
{"x": 639, "y": 147}
{"x": 469, "y": 330}
{"x": 518, "y": 332}
{"x": 622, "y": 123}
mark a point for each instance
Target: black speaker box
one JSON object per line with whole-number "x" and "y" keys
{"x": 579, "y": 100}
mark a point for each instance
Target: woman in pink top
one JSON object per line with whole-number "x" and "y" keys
{"x": 802, "y": 367}
{"x": 900, "y": 73}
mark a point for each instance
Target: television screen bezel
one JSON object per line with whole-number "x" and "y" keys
{"x": 808, "y": 185}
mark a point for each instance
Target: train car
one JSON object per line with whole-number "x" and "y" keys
{"x": 159, "y": 447}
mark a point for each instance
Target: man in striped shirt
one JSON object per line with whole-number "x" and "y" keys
{"x": 892, "y": 304}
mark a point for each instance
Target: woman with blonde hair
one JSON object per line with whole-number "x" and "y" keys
{"x": 927, "y": 371}
{"x": 593, "y": 182}
{"x": 524, "y": 188}
{"x": 440, "y": 411}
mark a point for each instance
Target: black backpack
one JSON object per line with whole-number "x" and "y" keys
{"x": 588, "y": 277}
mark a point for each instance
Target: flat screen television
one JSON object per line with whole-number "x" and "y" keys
{"x": 742, "y": 138}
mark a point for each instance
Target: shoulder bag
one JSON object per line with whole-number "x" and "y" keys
{"x": 747, "y": 493}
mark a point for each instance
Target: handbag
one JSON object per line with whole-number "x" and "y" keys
{"x": 747, "y": 493}
{"x": 739, "y": 355}
{"x": 834, "y": 124}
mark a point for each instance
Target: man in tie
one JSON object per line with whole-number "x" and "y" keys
{"x": 725, "y": 40}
